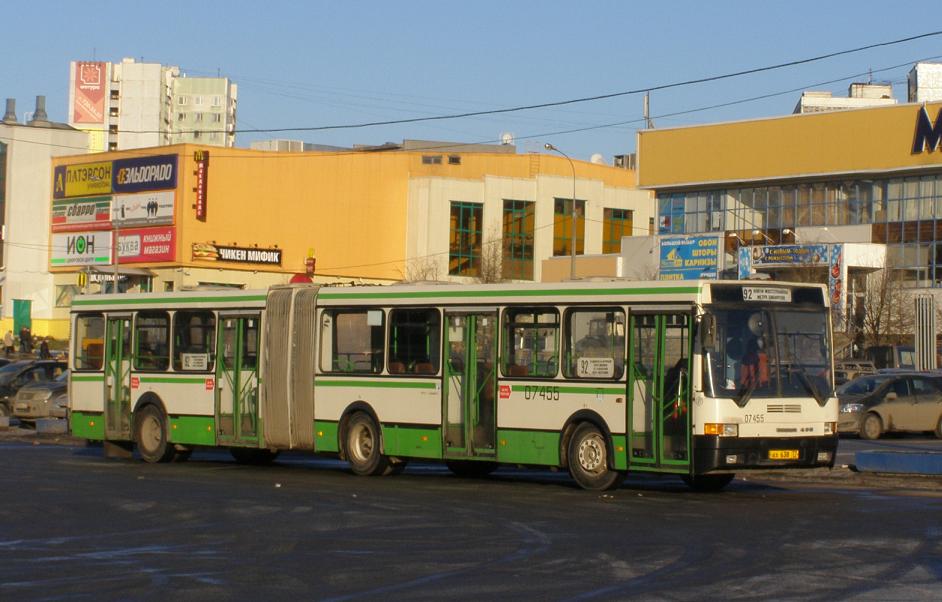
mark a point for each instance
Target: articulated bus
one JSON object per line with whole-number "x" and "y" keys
{"x": 699, "y": 379}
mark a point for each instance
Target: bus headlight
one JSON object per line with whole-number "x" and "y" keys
{"x": 721, "y": 430}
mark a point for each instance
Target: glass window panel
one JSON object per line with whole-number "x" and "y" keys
{"x": 194, "y": 340}
{"x": 414, "y": 341}
{"x": 531, "y": 342}
{"x": 595, "y": 343}
{"x": 152, "y": 341}
{"x": 89, "y": 341}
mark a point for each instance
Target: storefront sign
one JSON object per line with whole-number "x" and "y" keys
{"x": 928, "y": 136}
{"x": 202, "y": 178}
{"x": 145, "y": 208}
{"x": 208, "y": 252}
{"x": 87, "y": 179}
{"x": 88, "y": 95}
{"x": 145, "y": 173}
{"x": 789, "y": 255}
{"x": 81, "y": 248}
{"x": 69, "y": 215}
{"x": 139, "y": 245}
{"x": 689, "y": 258}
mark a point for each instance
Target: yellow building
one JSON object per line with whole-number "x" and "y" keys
{"x": 189, "y": 217}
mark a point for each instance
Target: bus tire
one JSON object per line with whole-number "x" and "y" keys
{"x": 588, "y": 459}
{"x": 363, "y": 446}
{"x": 708, "y": 482}
{"x": 872, "y": 427}
{"x": 471, "y": 469}
{"x": 253, "y": 455}
{"x": 150, "y": 426}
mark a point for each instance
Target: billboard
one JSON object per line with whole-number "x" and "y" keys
{"x": 140, "y": 245}
{"x": 789, "y": 255}
{"x": 203, "y": 251}
{"x": 90, "y": 82}
{"x": 81, "y": 248}
{"x": 145, "y": 173}
{"x": 70, "y": 215}
{"x": 145, "y": 208}
{"x": 85, "y": 179}
{"x": 689, "y": 258}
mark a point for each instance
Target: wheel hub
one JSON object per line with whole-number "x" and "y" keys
{"x": 591, "y": 454}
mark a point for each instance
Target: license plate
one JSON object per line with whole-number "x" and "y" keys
{"x": 783, "y": 454}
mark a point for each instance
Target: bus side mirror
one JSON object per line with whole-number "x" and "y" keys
{"x": 708, "y": 332}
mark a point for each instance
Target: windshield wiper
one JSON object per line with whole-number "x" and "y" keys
{"x": 742, "y": 397}
{"x": 809, "y": 384}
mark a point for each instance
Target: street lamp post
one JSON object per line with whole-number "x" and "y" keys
{"x": 572, "y": 213}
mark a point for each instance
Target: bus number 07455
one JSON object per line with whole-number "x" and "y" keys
{"x": 547, "y": 393}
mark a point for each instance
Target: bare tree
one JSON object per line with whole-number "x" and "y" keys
{"x": 888, "y": 308}
{"x": 422, "y": 269}
{"x": 492, "y": 258}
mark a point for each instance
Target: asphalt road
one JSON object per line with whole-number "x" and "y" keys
{"x": 77, "y": 526}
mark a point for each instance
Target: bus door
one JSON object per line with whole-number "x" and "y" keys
{"x": 659, "y": 391}
{"x": 237, "y": 354}
{"x": 118, "y": 377}
{"x": 469, "y": 408}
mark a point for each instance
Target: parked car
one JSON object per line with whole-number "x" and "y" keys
{"x": 16, "y": 375}
{"x": 43, "y": 399}
{"x": 891, "y": 402}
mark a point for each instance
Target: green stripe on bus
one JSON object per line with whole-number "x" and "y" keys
{"x": 133, "y": 300}
{"x": 87, "y": 425}
{"x": 325, "y": 436}
{"x": 528, "y": 447}
{"x": 672, "y": 290}
{"x": 93, "y": 378}
{"x": 193, "y": 430}
{"x": 379, "y": 384}
{"x": 412, "y": 441}
{"x": 170, "y": 379}
{"x": 576, "y": 390}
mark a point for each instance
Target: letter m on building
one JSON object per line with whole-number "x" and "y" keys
{"x": 928, "y": 135}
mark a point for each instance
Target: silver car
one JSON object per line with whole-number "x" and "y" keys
{"x": 891, "y": 402}
{"x": 45, "y": 399}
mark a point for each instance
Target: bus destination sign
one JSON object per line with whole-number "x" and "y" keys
{"x": 766, "y": 293}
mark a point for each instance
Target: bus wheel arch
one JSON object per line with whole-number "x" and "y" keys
{"x": 588, "y": 449}
{"x": 152, "y": 429}
{"x": 361, "y": 441}
{"x": 569, "y": 428}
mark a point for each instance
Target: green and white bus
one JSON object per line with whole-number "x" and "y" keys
{"x": 700, "y": 379}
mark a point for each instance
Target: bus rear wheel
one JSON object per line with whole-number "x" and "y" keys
{"x": 151, "y": 435}
{"x": 588, "y": 459}
{"x": 363, "y": 446}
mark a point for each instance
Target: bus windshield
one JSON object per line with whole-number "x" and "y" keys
{"x": 769, "y": 352}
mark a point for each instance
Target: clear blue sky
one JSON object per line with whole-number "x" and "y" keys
{"x": 308, "y": 64}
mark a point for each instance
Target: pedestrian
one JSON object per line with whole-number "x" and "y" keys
{"x": 24, "y": 340}
{"x": 44, "y": 349}
{"x": 8, "y": 343}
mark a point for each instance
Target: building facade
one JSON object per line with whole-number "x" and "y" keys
{"x": 187, "y": 216}
{"x": 26, "y": 151}
{"x": 131, "y": 104}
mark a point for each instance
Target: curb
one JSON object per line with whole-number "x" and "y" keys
{"x": 900, "y": 462}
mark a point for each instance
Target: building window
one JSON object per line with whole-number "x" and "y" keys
{"x": 112, "y": 146}
{"x": 617, "y": 223}
{"x": 431, "y": 159}
{"x": 113, "y": 111}
{"x": 517, "y": 260}
{"x": 113, "y": 128}
{"x": 352, "y": 340}
{"x": 414, "y": 341}
{"x": 217, "y": 101}
{"x": 464, "y": 250}
{"x": 562, "y": 224}
{"x": 115, "y": 95}
{"x": 181, "y": 100}
{"x": 197, "y": 100}
{"x": 217, "y": 117}
{"x": 454, "y": 159}
{"x": 181, "y": 116}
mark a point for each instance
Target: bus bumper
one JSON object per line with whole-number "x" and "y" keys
{"x": 711, "y": 453}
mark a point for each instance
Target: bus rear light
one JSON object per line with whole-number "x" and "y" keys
{"x": 721, "y": 430}
{"x": 830, "y": 428}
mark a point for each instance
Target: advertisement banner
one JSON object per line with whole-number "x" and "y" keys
{"x": 81, "y": 248}
{"x": 145, "y": 173}
{"x": 147, "y": 208}
{"x": 202, "y": 179}
{"x": 689, "y": 258}
{"x": 836, "y": 279}
{"x": 86, "y": 179}
{"x": 139, "y": 245}
{"x": 203, "y": 251}
{"x": 789, "y": 255}
{"x": 71, "y": 215}
{"x": 88, "y": 95}
{"x": 745, "y": 263}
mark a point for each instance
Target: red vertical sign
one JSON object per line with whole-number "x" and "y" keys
{"x": 202, "y": 175}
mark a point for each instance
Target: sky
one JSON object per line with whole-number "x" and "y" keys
{"x": 314, "y": 64}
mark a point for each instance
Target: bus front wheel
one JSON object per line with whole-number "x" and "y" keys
{"x": 588, "y": 459}
{"x": 363, "y": 446}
